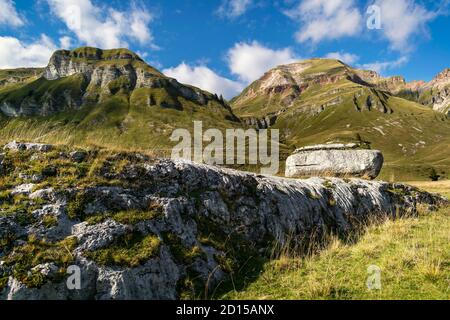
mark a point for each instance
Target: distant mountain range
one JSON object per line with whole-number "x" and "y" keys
{"x": 112, "y": 98}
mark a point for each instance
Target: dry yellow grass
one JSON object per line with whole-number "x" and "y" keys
{"x": 413, "y": 255}
{"x": 441, "y": 187}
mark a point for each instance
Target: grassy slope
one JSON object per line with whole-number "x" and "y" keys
{"x": 20, "y": 76}
{"x": 20, "y": 73}
{"x": 413, "y": 254}
{"x": 115, "y": 124}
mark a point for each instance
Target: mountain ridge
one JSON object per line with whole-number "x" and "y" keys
{"x": 106, "y": 97}
{"x": 97, "y": 74}
{"x": 64, "y": 63}
{"x": 396, "y": 85}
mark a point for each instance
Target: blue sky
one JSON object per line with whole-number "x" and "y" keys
{"x": 223, "y": 45}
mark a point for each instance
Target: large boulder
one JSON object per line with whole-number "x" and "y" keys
{"x": 338, "y": 160}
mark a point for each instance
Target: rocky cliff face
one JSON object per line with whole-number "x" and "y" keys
{"x": 441, "y": 80}
{"x": 143, "y": 228}
{"x": 391, "y": 84}
{"x": 100, "y": 68}
{"x": 437, "y": 92}
{"x": 434, "y": 94}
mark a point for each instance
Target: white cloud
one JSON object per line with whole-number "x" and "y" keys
{"x": 65, "y": 42}
{"x": 401, "y": 20}
{"x": 203, "y": 77}
{"x": 104, "y": 27}
{"x": 326, "y": 19}
{"x": 15, "y": 54}
{"x": 345, "y": 57}
{"x": 233, "y": 8}
{"x": 381, "y": 66}
{"x": 249, "y": 61}
{"x": 140, "y": 20}
{"x": 9, "y": 15}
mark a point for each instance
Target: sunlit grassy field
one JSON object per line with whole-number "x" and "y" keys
{"x": 442, "y": 187}
{"x": 412, "y": 253}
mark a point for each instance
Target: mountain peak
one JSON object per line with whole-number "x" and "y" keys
{"x": 91, "y": 76}
{"x": 443, "y": 74}
{"x": 86, "y": 60}
{"x": 286, "y": 83}
{"x": 96, "y": 54}
{"x": 442, "y": 79}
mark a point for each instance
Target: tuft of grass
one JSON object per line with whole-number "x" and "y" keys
{"x": 180, "y": 252}
{"x": 125, "y": 217}
{"x": 50, "y": 221}
{"x": 24, "y": 258}
{"x": 131, "y": 250}
{"x": 134, "y": 217}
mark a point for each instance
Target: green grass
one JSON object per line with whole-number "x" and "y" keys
{"x": 123, "y": 121}
{"x": 16, "y": 78}
{"x": 125, "y": 217}
{"x": 36, "y": 252}
{"x": 328, "y": 66}
{"x": 129, "y": 251}
{"x": 117, "y": 117}
{"x": 413, "y": 254}
{"x": 181, "y": 253}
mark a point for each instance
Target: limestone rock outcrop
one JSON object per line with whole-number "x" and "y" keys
{"x": 204, "y": 220}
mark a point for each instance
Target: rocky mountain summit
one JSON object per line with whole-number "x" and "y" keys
{"x": 317, "y": 84}
{"x": 144, "y": 228}
{"x": 437, "y": 92}
{"x": 90, "y": 76}
{"x": 312, "y": 86}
